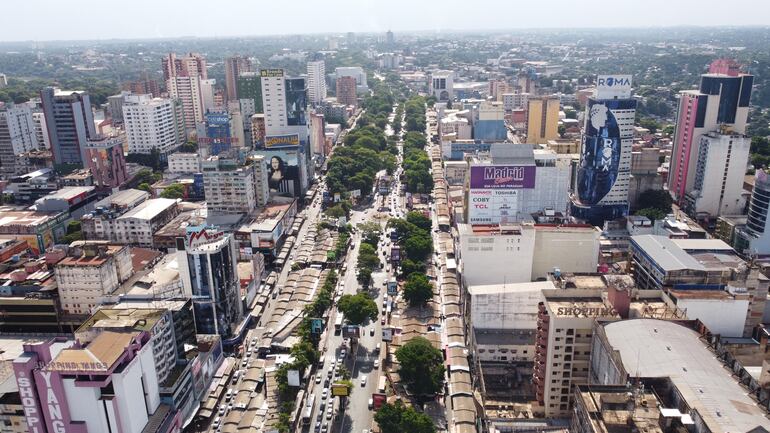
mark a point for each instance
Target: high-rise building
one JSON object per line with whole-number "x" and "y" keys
{"x": 542, "y": 119}
{"x": 17, "y": 135}
{"x": 153, "y": 123}
{"x": 489, "y": 126}
{"x": 754, "y": 238}
{"x": 70, "y": 124}
{"x": 106, "y": 161}
{"x": 207, "y": 264}
{"x": 186, "y": 80}
{"x": 143, "y": 86}
{"x": 258, "y": 130}
{"x": 3, "y": 80}
{"x": 232, "y": 188}
{"x": 41, "y": 130}
{"x": 356, "y": 72}
{"x": 284, "y": 100}
{"x": 234, "y": 67}
{"x": 346, "y": 91}
{"x": 317, "y": 134}
{"x": 441, "y": 85}
{"x": 389, "y": 39}
{"x": 721, "y": 102}
{"x": 316, "y": 85}
{"x": 218, "y": 133}
{"x": 601, "y": 192}
{"x": 249, "y": 86}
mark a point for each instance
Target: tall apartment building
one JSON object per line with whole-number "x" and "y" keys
{"x": 356, "y": 72}
{"x": 208, "y": 267}
{"x": 721, "y": 165}
{"x": 186, "y": 80}
{"x": 754, "y": 238}
{"x": 234, "y": 67}
{"x": 441, "y": 85}
{"x": 542, "y": 119}
{"x": 231, "y": 188}
{"x": 316, "y": 83}
{"x": 143, "y": 86}
{"x": 644, "y": 173}
{"x": 720, "y": 104}
{"x": 41, "y": 129}
{"x": 601, "y": 192}
{"x": 153, "y": 123}
{"x": 17, "y": 135}
{"x": 137, "y": 226}
{"x": 249, "y": 86}
{"x": 70, "y": 124}
{"x": 285, "y": 104}
{"x": 346, "y": 91}
{"x": 89, "y": 275}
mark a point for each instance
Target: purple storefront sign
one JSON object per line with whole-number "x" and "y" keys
{"x": 503, "y": 176}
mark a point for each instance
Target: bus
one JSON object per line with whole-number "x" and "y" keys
{"x": 338, "y": 322}
{"x": 382, "y": 384}
{"x": 307, "y": 412}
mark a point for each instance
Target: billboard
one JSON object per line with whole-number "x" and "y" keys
{"x": 340, "y": 390}
{"x": 503, "y": 176}
{"x": 201, "y": 235}
{"x": 271, "y": 73}
{"x": 387, "y": 334}
{"x": 282, "y": 140}
{"x": 490, "y": 206}
{"x": 284, "y": 171}
{"x": 292, "y": 376}
{"x": 351, "y": 331}
{"x": 378, "y": 400}
{"x": 601, "y": 150}
{"x": 392, "y": 287}
{"x": 613, "y": 86}
{"x": 316, "y": 326}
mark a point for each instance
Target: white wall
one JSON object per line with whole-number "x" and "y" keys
{"x": 130, "y": 397}
{"x": 721, "y": 316}
{"x": 494, "y": 259}
{"x": 84, "y": 405}
{"x": 569, "y": 249}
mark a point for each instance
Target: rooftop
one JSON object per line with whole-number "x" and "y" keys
{"x": 106, "y": 348}
{"x": 657, "y": 348}
{"x": 139, "y": 319}
{"x": 149, "y": 209}
{"x": 123, "y": 198}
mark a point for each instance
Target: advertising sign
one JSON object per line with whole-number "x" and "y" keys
{"x": 202, "y": 235}
{"x": 316, "y": 326}
{"x": 282, "y": 140}
{"x": 486, "y": 206}
{"x": 387, "y": 334}
{"x": 336, "y": 197}
{"x": 217, "y": 119}
{"x": 283, "y": 171}
{"x": 351, "y": 331}
{"x": 503, "y": 176}
{"x": 378, "y": 400}
{"x": 293, "y": 377}
{"x": 271, "y": 73}
{"x": 355, "y": 193}
{"x": 392, "y": 287}
{"x": 340, "y": 390}
{"x": 602, "y": 147}
{"x": 613, "y": 86}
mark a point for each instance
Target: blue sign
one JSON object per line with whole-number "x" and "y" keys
{"x": 392, "y": 288}
{"x": 316, "y": 326}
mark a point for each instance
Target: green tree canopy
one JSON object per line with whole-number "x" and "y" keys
{"x": 358, "y": 308}
{"x": 418, "y": 290}
{"x": 422, "y": 367}
{"x": 409, "y": 266}
{"x": 397, "y": 418}
{"x": 419, "y": 220}
{"x": 655, "y": 199}
{"x": 418, "y": 246}
{"x": 173, "y": 191}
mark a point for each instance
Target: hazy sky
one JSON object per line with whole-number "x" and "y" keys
{"x": 82, "y": 19}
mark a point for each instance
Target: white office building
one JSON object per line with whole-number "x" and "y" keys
{"x": 441, "y": 85}
{"x": 153, "y": 123}
{"x": 137, "y": 226}
{"x": 187, "y": 89}
{"x": 232, "y": 188}
{"x": 182, "y": 162}
{"x": 17, "y": 135}
{"x": 316, "y": 84}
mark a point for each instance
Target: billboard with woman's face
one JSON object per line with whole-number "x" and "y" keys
{"x": 283, "y": 172}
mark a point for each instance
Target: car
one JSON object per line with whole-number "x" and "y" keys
{"x": 321, "y": 408}
{"x": 244, "y": 363}
{"x": 318, "y": 378}
{"x": 324, "y": 393}
{"x": 382, "y": 321}
{"x": 377, "y": 348}
{"x": 215, "y": 424}
{"x": 229, "y": 407}
{"x": 343, "y": 352}
{"x": 222, "y": 408}
{"x": 371, "y": 332}
{"x": 330, "y": 373}
{"x": 363, "y": 381}
{"x": 371, "y": 403}
{"x": 317, "y": 427}
{"x": 324, "y": 429}
{"x": 376, "y": 363}
{"x": 329, "y": 414}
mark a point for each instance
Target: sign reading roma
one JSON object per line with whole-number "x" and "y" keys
{"x": 503, "y": 176}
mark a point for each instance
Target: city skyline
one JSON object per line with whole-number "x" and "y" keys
{"x": 367, "y": 17}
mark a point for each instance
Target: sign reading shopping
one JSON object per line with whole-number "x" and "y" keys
{"x": 503, "y": 177}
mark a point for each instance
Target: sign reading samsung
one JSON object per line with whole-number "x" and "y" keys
{"x": 503, "y": 176}
{"x": 613, "y": 86}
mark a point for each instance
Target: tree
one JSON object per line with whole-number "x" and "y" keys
{"x": 418, "y": 246}
{"x": 144, "y": 186}
{"x": 409, "y": 266}
{"x": 419, "y": 220}
{"x": 652, "y": 213}
{"x": 174, "y": 191}
{"x": 358, "y": 308}
{"x": 73, "y": 227}
{"x": 418, "y": 290}
{"x": 367, "y": 257}
{"x": 422, "y": 367}
{"x": 370, "y": 232}
{"x": 335, "y": 211}
{"x": 655, "y": 199}
{"x": 364, "y": 276}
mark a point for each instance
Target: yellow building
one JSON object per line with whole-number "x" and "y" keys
{"x": 542, "y": 119}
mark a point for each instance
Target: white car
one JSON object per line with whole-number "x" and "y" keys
{"x": 376, "y": 363}
{"x": 324, "y": 393}
{"x": 363, "y": 381}
{"x": 318, "y": 378}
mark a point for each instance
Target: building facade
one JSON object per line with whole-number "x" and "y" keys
{"x": 234, "y": 67}
{"x": 17, "y": 135}
{"x": 346, "y": 91}
{"x": 316, "y": 83}
{"x": 70, "y": 124}
{"x": 231, "y": 188}
{"x": 137, "y": 226}
{"x": 106, "y": 160}
{"x": 153, "y": 123}
{"x": 542, "y": 119}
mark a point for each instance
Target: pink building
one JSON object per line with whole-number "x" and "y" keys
{"x": 721, "y": 102}
{"x": 105, "y": 159}
{"x": 109, "y": 385}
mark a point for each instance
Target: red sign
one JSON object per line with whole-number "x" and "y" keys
{"x": 378, "y": 400}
